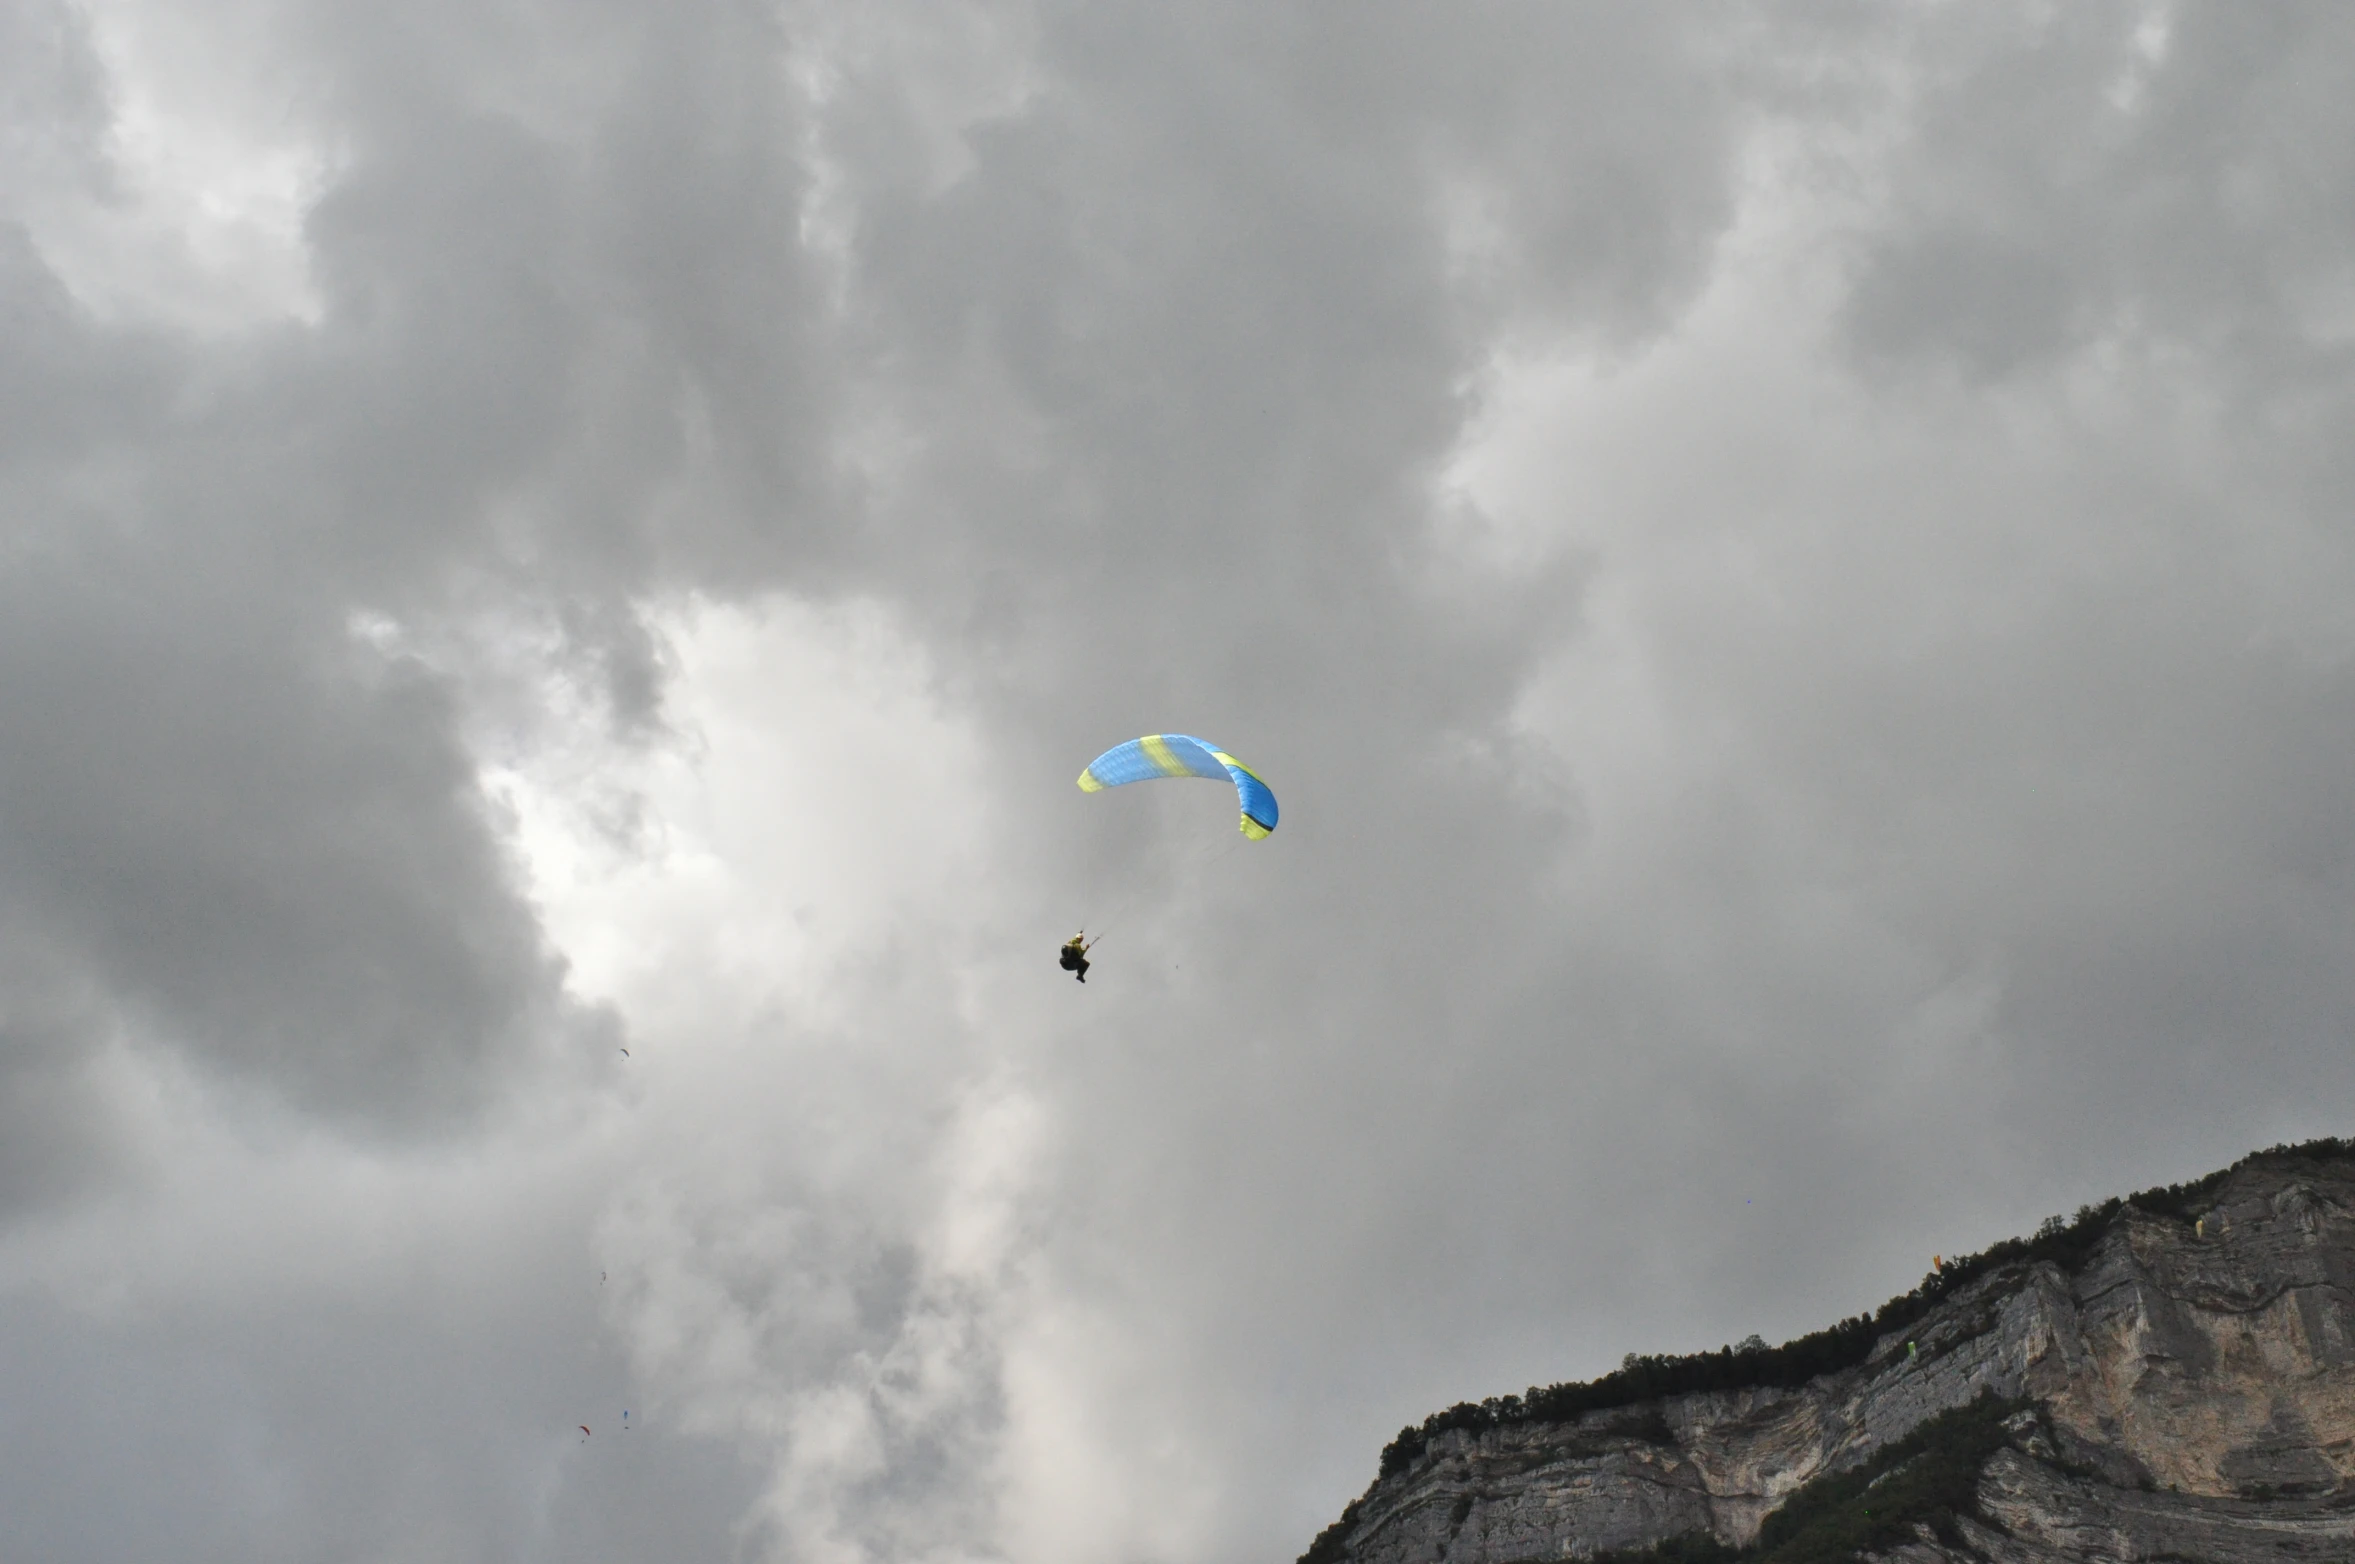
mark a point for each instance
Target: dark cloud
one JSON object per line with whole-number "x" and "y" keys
{"x": 263, "y": 1415}
{"x": 1785, "y": 567}
{"x": 56, "y": 96}
{"x": 2157, "y": 175}
{"x": 270, "y": 849}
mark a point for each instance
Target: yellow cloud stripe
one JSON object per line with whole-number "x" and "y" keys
{"x": 1253, "y": 829}
{"x": 1088, "y": 783}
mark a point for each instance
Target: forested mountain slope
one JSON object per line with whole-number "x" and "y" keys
{"x": 2169, "y": 1377}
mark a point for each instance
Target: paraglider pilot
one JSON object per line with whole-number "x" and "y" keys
{"x": 1075, "y": 955}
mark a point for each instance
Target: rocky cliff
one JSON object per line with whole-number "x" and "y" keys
{"x": 2171, "y": 1379}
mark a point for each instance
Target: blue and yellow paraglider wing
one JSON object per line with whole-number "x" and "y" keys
{"x": 1159, "y": 755}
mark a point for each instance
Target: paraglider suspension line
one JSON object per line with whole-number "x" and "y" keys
{"x": 1200, "y": 861}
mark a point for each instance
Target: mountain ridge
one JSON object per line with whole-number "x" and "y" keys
{"x": 2143, "y": 1352}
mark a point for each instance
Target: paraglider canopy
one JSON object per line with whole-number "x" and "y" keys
{"x": 1159, "y": 755}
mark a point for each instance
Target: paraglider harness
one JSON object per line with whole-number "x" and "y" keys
{"x": 1075, "y": 954}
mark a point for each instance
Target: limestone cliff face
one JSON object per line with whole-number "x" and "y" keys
{"x": 2194, "y": 1391}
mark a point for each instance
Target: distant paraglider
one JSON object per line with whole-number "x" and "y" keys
{"x": 1157, "y": 756}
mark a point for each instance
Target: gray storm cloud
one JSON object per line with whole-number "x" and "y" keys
{"x": 1787, "y": 563}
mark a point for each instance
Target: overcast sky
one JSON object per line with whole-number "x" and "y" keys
{"x": 1791, "y": 566}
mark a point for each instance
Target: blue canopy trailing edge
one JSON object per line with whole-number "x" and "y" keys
{"x": 1158, "y": 755}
